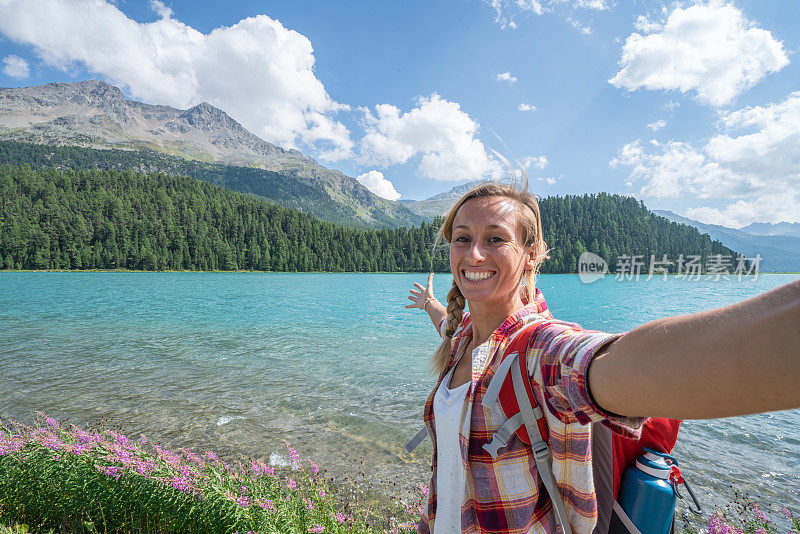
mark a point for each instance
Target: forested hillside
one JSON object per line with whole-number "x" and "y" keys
{"x": 329, "y": 196}
{"x": 92, "y": 219}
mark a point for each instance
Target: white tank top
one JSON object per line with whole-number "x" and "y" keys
{"x": 450, "y": 473}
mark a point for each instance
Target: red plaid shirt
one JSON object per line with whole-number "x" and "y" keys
{"x": 505, "y": 494}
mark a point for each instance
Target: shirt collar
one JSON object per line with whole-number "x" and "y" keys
{"x": 518, "y": 318}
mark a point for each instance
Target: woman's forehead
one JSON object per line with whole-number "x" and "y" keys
{"x": 487, "y": 211}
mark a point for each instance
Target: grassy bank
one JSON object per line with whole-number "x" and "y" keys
{"x": 64, "y": 478}
{"x": 61, "y": 478}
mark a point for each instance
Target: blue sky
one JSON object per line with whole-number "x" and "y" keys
{"x": 692, "y": 107}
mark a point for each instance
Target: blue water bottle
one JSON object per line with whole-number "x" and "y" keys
{"x": 648, "y": 495}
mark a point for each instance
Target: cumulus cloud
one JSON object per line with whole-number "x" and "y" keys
{"x": 526, "y": 107}
{"x": 709, "y": 48}
{"x": 258, "y": 71}
{"x": 752, "y": 166}
{"x": 375, "y": 182}
{"x": 16, "y": 67}
{"x": 505, "y": 77}
{"x": 161, "y": 9}
{"x": 657, "y": 125}
{"x": 437, "y": 130}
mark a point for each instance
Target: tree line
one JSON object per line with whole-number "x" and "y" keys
{"x": 91, "y": 219}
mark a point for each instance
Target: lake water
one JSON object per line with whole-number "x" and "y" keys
{"x": 332, "y": 363}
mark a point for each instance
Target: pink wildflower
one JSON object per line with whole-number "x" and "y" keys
{"x": 291, "y": 484}
{"x": 309, "y": 505}
{"x": 317, "y": 529}
{"x": 111, "y": 470}
{"x": 340, "y": 517}
{"x": 266, "y": 504}
{"x": 424, "y": 489}
{"x": 321, "y": 493}
{"x": 294, "y": 456}
{"x": 314, "y": 469}
{"x": 262, "y": 469}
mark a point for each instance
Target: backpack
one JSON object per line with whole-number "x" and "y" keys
{"x": 612, "y": 454}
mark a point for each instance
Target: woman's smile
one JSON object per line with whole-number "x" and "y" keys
{"x": 477, "y": 276}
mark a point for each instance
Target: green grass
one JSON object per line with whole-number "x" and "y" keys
{"x": 60, "y": 478}
{"x": 64, "y": 478}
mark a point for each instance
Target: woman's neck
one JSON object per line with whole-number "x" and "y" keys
{"x": 486, "y": 317}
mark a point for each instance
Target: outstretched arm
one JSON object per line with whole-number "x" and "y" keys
{"x": 423, "y": 298}
{"x": 737, "y": 360}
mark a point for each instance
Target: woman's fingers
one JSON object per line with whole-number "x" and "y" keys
{"x": 418, "y": 286}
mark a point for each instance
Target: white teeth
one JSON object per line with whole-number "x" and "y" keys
{"x": 475, "y": 277}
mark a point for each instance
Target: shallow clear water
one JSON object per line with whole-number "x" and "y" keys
{"x": 332, "y": 363}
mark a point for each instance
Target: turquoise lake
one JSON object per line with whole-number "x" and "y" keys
{"x": 332, "y": 363}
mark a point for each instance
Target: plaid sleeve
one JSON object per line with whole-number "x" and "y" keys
{"x": 562, "y": 352}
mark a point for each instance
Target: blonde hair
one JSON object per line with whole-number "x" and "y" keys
{"x": 529, "y": 218}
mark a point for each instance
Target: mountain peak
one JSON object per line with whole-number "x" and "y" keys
{"x": 96, "y": 114}
{"x": 204, "y": 116}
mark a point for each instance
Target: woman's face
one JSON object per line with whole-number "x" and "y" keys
{"x": 487, "y": 253}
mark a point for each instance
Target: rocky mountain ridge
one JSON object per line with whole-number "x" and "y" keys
{"x": 94, "y": 114}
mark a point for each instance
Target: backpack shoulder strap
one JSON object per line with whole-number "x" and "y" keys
{"x": 520, "y": 406}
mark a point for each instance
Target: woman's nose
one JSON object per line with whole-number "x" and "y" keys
{"x": 475, "y": 251}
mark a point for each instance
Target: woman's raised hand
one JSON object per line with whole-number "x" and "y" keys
{"x": 421, "y": 295}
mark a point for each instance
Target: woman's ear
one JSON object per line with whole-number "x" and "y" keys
{"x": 530, "y": 259}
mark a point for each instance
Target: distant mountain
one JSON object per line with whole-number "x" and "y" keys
{"x": 779, "y": 252}
{"x": 781, "y": 228}
{"x": 438, "y": 204}
{"x": 94, "y": 114}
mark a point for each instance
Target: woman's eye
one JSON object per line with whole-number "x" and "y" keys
{"x": 497, "y": 239}
{"x": 461, "y": 239}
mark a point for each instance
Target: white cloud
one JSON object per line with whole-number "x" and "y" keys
{"x": 657, "y": 125}
{"x": 160, "y": 9}
{"x": 258, "y": 71}
{"x": 578, "y": 25}
{"x": 709, "y": 48}
{"x": 375, "y": 182}
{"x": 752, "y": 166}
{"x": 540, "y": 162}
{"x": 526, "y": 107}
{"x": 16, "y": 67}
{"x": 506, "y": 11}
{"x": 505, "y": 77}
{"x": 645, "y": 25}
{"x": 437, "y": 130}
{"x": 598, "y": 5}
{"x": 549, "y": 180}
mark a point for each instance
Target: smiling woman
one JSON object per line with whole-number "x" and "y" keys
{"x": 681, "y": 367}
